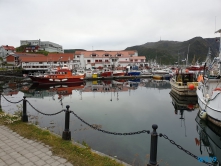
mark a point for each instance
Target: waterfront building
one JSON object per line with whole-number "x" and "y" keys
{"x": 6, "y": 50}
{"x": 83, "y": 59}
{"x": 35, "y": 45}
{"x": 100, "y": 58}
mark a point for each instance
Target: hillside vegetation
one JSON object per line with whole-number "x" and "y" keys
{"x": 169, "y": 52}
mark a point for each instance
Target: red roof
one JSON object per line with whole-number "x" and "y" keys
{"x": 54, "y": 57}
{"x": 9, "y": 47}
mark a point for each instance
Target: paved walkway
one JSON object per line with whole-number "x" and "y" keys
{"x": 19, "y": 151}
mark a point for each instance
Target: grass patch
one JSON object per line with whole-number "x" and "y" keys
{"x": 76, "y": 155}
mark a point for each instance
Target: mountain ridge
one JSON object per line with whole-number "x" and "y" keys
{"x": 169, "y": 52}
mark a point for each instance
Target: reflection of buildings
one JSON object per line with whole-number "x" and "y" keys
{"x": 101, "y": 86}
{"x": 159, "y": 84}
{"x": 10, "y": 89}
{"x": 209, "y": 137}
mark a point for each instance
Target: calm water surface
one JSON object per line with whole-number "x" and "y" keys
{"x": 123, "y": 108}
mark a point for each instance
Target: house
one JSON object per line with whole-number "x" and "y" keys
{"x": 6, "y": 50}
{"x": 35, "y": 45}
{"x": 42, "y": 62}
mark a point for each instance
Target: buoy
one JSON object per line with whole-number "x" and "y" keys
{"x": 203, "y": 115}
{"x": 191, "y": 86}
{"x": 190, "y": 106}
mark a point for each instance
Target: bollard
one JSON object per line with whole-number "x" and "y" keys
{"x": 24, "y": 113}
{"x": 153, "y": 147}
{"x": 66, "y": 135}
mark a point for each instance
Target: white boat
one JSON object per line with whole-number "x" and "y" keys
{"x": 209, "y": 91}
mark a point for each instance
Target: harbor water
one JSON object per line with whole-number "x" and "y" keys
{"x": 121, "y": 107}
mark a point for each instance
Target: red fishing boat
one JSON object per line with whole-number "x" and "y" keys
{"x": 60, "y": 76}
{"x": 106, "y": 72}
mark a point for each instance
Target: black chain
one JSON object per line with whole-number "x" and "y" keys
{"x": 108, "y": 132}
{"x": 42, "y": 112}
{"x": 12, "y": 101}
{"x": 186, "y": 151}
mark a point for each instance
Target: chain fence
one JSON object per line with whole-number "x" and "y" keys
{"x": 186, "y": 151}
{"x": 11, "y": 101}
{"x": 43, "y": 112}
{"x": 108, "y": 132}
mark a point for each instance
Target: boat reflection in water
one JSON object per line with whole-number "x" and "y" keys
{"x": 188, "y": 103}
{"x": 210, "y": 138}
{"x": 44, "y": 90}
{"x": 183, "y": 103}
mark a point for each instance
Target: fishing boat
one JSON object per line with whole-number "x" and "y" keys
{"x": 59, "y": 76}
{"x": 132, "y": 71}
{"x": 184, "y": 82}
{"x": 209, "y": 91}
{"x": 106, "y": 72}
{"x": 119, "y": 73}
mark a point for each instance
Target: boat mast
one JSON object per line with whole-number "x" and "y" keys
{"x": 187, "y": 55}
{"x": 219, "y": 31}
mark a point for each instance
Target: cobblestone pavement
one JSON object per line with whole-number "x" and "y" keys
{"x": 19, "y": 151}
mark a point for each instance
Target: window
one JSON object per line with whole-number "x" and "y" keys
{"x": 118, "y": 54}
{"x": 89, "y": 61}
{"x": 106, "y": 55}
{"x": 93, "y": 55}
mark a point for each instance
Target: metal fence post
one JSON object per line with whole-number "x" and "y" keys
{"x": 153, "y": 147}
{"x": 66, "y": 135}
{"x": 24, "y": 113}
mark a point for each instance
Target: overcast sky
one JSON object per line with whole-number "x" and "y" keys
{"x": 107, "y": 24}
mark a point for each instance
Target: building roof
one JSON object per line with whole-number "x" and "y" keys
{"x": 100, "y": 54}
{"x": 51, "y": 57}
{"x": 9, "y": 48}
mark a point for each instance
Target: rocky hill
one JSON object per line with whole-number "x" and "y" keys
{"x": 169, "y": 52}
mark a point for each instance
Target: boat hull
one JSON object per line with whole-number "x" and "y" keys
{"x": 133, "y": 73}
{"x": 106, "y": 74}
{"x": 211, "y": 105}
{"x": 45, "y": 80}
{"x": 182, "y": 89}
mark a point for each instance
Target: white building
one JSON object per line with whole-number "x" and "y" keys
{"x": 6, "y": 50}
{"x": 123, "y": 58}
{"x": 43, "y": 45}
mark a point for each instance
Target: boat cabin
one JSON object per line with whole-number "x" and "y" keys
{"x": 187, "y": 77}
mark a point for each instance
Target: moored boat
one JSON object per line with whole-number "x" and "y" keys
{"x": 209, "y": 91}
{"x": 184, "y": 83}
{"x": 60, "y": 76}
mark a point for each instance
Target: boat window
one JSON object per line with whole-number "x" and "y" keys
{"x": 186, "y": 78}
{"x": 179, "y": 78}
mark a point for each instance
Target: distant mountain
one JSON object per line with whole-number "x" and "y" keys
{"x": 169, "y": 52}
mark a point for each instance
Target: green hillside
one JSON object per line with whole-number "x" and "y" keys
{"x": 169, "y": 52}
